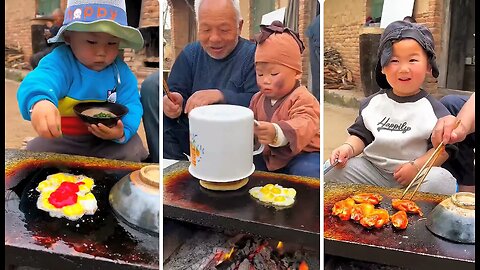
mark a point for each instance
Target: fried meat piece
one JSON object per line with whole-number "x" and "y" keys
{"x": 360, "y": 210}
{"x": 371, "y": 198}
{"x": 407, "y": 206}
{"x": 343, "y": 208}
{"x": 377, "y": 218}
{"x": 399, "y": 220}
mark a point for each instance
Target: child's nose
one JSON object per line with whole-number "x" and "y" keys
{"x": 266, "y": 80}
{"x": 404, "y": 67}
{"x": 102, "y": 50}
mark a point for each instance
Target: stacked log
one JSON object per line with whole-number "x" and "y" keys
{"x": 336, "y": 75}
{"x": 14, "y": 58}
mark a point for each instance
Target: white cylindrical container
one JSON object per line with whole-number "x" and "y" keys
{"x": 221, "y": 143}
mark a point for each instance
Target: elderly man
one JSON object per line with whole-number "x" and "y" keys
{"x": 50, "y": 31}
{"x": 57, "y": 22}
{"x": 218, "y": 68}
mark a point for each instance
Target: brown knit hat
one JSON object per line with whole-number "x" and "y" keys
{"x": 279, "y": 45}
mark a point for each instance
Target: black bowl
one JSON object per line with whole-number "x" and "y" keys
{"x": 116, "y": 109}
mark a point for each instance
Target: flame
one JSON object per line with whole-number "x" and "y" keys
{"x": 303, "y": 266}
{"x": 280, "y": 245}
{"x": 228, "y": 255}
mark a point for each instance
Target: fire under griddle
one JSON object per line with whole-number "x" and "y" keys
{"x": 101, "y": 241}
{"x": 185, "y": 200}
{"x": 188, "y": 246}
{"x": 415, "y": 247}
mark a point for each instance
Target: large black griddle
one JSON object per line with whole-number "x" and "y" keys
{"x": 416, "y": 247}
{"x": 184, "y": 199}
{"x": 101, "y": 241}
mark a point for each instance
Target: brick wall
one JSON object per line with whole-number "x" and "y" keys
{"x": 18, "y": 21}
{"x": 344, "y": 19}
{"x": 18, "y": 16}
{"x": 304, "y": 19}
{"x": 431, "y": 15}
{"x": 149, "y": 16}
{"x": 180, "y": 25}
{"x": 150, "y": 13}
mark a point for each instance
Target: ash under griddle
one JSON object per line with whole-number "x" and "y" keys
{"x": 203, "y": 248}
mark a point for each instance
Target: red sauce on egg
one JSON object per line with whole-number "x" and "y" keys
{"x": 65, "y": 194}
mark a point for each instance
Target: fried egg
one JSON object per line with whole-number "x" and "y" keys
{"x": 274, "y": 195}
{"x": 71, "y": 201}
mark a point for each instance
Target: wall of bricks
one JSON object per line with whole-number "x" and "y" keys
{"x": 430, "y": 13}
{"x": 343, "y": 20}
{"x": 18, "y": 34}
{"x": 149, "y": 16}
{"x": 18, "y": 16}
{"x": 179, "y": 25}
{"x": 150, "y": 13}
{"x": 246, "y": 16}
{"x": 304, "y": 19}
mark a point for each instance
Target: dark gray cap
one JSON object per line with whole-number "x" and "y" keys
{"x": 399, "y": 30}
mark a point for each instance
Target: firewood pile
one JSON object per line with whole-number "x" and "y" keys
{"x": 336, "y": 75}
{"x": 14, "y": 58}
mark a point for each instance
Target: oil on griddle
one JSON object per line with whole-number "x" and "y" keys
{"x": 415, "y": 239}
{"x": 186, "y": 200}
{"x": 101, "y": 235}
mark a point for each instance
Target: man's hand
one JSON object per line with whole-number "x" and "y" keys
{"x": 265, "y": 132}
{"x": 106, "y": 133}
{"x": 46, "y": 119}
{"x": 445, "y": 131}
{"x": 202, "y": 98}
{"x": 173, "y": 109}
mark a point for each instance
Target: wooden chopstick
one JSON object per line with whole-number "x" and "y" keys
{"x": 423, "y": 172}
{"x": 426, "y": 169}
{"x": 167, "y": 90}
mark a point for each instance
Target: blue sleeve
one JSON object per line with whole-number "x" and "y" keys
{"x": 128, "y": 95}
{"x": 181, "y": 78}
{"x": 48, "y": 81}
{"x": 249, "y": 79}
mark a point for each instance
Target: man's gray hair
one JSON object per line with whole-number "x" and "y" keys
{"x": 236, "y": 6}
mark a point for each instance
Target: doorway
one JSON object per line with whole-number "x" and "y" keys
{"x": 461, "y": 47}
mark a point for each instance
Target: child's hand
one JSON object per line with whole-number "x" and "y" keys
{"x": 405, "y": 173}
{"x": 173, "y": 109}
{"x": 107, "y": 133}
{"x": 342, "y": 154}
{"x": 46, "y": 119}
{"x": 265, "y": 132}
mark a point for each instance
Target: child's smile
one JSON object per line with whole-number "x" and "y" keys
{"x": 407, "y": 68}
